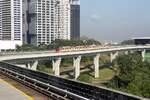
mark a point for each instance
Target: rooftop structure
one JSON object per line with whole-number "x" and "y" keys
{"x": 141, "y": 40}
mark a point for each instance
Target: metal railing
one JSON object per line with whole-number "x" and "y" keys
{"x": 24, "y": 53}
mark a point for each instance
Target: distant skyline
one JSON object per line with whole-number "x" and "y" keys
{"x": 115, "y": 20}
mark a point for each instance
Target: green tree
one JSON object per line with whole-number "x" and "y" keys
{"x": 127, "y": 42}
{"x": 134, "y": 76}
{"x": 60, "y": 43}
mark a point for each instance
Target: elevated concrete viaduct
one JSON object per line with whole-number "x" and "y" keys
{"x": 76, "y": 56}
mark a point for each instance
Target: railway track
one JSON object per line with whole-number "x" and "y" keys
{"x": 59, "y": 88}
{"x": 50, "y": 96}
{"x": 25, "y": 89}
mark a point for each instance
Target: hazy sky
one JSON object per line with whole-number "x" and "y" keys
{"x": 115, "y": 20}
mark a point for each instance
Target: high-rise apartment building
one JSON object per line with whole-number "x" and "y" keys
{"x": 75, "y": 19}
{"x": 47, "y": 20}
{"x": 10, "y": 23}
{"x": 25, "y": 20}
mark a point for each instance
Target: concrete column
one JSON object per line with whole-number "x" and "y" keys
{"x": 28, "y": 65}
{"x": 143, "y": 54}
{"x": 53, "y": 65}
{"x": 96, "y": 65}
{"x": 56, "y": 66}
{"x": 126, "y": 52}
{"x": 34, "y": 66}
{"x": 76, "y": 64}
{"x": 113, "y": 56}
{"x": 131, "y": 51}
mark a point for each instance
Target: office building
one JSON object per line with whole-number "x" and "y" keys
{"x": 10, "y": 24}
{"x": 75, "y": 19}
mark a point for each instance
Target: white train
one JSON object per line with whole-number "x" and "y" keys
{"x": 80, "y": 48}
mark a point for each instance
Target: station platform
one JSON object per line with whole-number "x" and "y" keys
{"x": 8, "y": 92}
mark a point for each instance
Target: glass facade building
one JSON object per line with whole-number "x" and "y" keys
{"x": 75, "y": 19}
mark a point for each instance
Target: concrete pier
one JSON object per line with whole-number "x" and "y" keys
{"x": 76, "y": 64}
{"x": 96, "y": 65}
{"x": 143, "y": 54}
{"x": 113, "y": 56}
{"x": 56, "y": 66}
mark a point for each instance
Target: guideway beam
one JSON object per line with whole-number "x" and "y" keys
{"x": 76, "y": 65}
{"x": 56, "y": 66}
{"x": 126, "y": 52}
{"x": 96, "y": 65}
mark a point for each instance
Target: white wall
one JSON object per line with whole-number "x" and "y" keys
{"x": 9, "y": 44}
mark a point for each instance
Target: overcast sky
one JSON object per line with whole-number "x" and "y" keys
{"x": 115, "y": 20}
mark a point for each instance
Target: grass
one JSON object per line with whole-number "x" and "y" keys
{"x": 45, "y": 69}
{"x": 105, "y": 75}
{"x": 147, "y": 56}
{"x": 85, "y": 78}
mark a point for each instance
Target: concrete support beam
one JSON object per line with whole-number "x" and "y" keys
{"x": 56, "y": 66}
{"x": 32, "y": 67}
{"x": 76, "y": 64}
{"x": 28, "y": 65}
{"x": 53, "y": 65}
{"x": 126, "y": 52}
{"x": 131, "y": 51}
{"x": 113, "y": 56}
{"x": 96, "y": 65}
{"x": 143, "y": 54}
